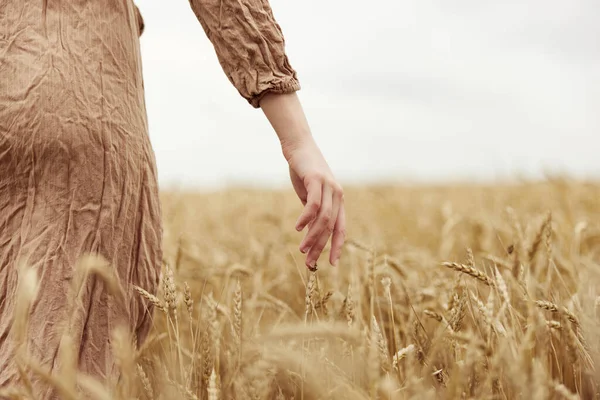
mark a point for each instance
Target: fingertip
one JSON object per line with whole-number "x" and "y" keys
{"x": 333, "y": 259}
{"x": 298, "y": 223}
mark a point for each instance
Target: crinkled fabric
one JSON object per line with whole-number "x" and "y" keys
{"x": 77, "y": 170}
{"x": 249, "y": 45}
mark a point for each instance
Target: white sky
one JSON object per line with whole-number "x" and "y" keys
{"x": 401, "y": 90}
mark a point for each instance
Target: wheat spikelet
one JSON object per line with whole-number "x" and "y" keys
{"x": 151, "y": 298}
{"x": 170, "y": 292}
{"x": 573, "y": 345}
{"x": 453, "y": 298}
{"x": 518, "y": 248}
{"x": 480, "y": 307}
{"x": 489, "y": 306}
{"x": 457, "y": 313}
{"x": 554, "y": 324}
{"x": 379, "y": 340}
{"x": 322, "y": 303}
{"x": 348, "y": 307}
{"x": 434, "y": 315}
{"x": 308, "y": 299}
{"x": 546, "y": 305}
{"x": 502, "y": 288}
{"x": 347, "y": 312}
{"x": 401, "y": 354}
{"x": 374, "y": 358}
{"x": 187, "y": 298}
{"x": 538, "y": 237}
{"x": 470, "y": 258}
{"x": 387, "y": 285}
{"x": 548, "y": 240}
{"x": 214, "y": 331}
{"x": 549, "y": 306}
{"x": 325, "y": 298}
{"x": 207, "y": 358}
{"x": 486, "y": 311}
{"x": 236, "y": 324}
{"x": 475, "y": 273}
{"x": 213, "y": 387}
{"x": 145, "y": 382}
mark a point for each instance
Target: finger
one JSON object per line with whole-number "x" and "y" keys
{"x": 336, "y": 201}
{"x": 312, "y": 206}
{"x": 321, "y": 223}
{"x": 339, "y": 235}
{"x": 315, "y": 251}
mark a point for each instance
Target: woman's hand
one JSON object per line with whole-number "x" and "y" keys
{"x": 312, "y": 179}
{"x": 323, "y": 201}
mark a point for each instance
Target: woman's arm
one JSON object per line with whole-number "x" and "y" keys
{"x": 311, "y": 177}
{"x": 251, "y": 50}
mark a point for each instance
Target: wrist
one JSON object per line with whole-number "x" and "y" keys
{"x": 291, "y": 145}
{"x": 287, "y": 118}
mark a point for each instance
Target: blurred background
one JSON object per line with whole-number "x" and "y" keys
{"x": 395, "y": 91}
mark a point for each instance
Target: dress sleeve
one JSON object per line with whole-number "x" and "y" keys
{"x": 249, "y": 44}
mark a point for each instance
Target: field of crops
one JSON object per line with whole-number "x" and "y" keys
{"x": 458, "y": 292}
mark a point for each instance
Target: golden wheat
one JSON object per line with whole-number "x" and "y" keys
{"x": 239, "y": 316}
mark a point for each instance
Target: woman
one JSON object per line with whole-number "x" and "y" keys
{"x": 77, "y": 170}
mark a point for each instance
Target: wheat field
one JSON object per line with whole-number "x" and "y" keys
{"x": 452, "y": 292}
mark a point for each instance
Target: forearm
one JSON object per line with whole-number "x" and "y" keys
{"x": 285, "y": 113}
{"x": 312, "y": 179}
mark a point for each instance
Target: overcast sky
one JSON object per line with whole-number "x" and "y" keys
{"x": 393, "y": 89}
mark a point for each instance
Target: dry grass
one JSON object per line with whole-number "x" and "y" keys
{"x": 442, "y": 292}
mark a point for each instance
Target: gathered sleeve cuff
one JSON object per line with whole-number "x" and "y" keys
{"x": 249, "y": 45}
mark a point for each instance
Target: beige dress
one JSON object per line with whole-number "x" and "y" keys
{"x": 77, "y": 170}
